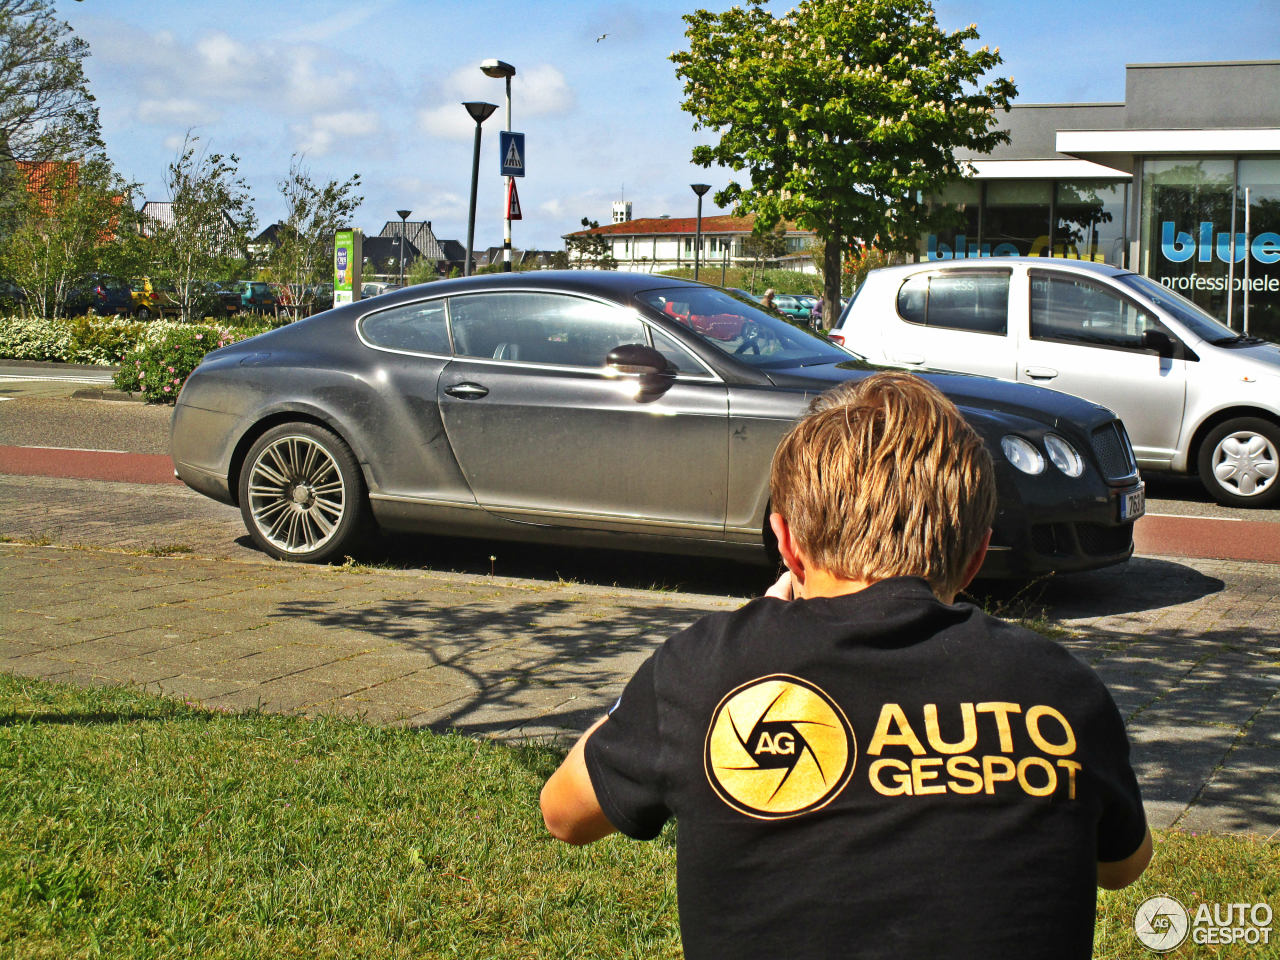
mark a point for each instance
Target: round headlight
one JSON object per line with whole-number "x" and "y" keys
{"x": 1063, "y": 455}
{"x": 1022, "y": 454}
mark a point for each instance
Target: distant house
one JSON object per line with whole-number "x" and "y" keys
{"x": 45, "y": 179}
{"x": 663, "y": 243}
{"x": 382, "y": 256}
{"x": 455, "y": 256}
{"x": 157, "y": 215}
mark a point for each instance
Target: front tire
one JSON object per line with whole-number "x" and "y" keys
{"x": 302, "y": 496}
{"x": 1239, "y": 461}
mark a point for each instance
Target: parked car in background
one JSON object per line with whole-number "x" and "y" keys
{"x": 100, "y": 294}
{"x": 256, "y": 296}
{"x": 376, "y": 289}
{"x": 321, "y": 296}
{"x": 797, "y": 305}
{"x": 573, "y": 407}
{"x": 1195, "y": 396}
{"x": 149, "y": 303}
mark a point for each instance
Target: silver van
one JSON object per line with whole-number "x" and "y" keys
{"x": 1195, "y": 396}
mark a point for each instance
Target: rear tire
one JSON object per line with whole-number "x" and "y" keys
{"x": 1239, "y": 461}
{"x": 302, "y": 495}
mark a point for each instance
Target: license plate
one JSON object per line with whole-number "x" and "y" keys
{"x": 1134, "y": 503}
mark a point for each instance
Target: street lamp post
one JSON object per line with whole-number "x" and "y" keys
{"x": 480, "y": 112}
{"x": 699, "y": 189}
{"x": 404, "y": 215}
{"x": 499, "y": 68}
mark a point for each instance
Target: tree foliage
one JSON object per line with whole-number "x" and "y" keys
{"x": 206, "y": 238}
{"x": 77, "y": 221}
{"x": 846, "y": 114}
{"x": 46, "y": 110}
{"x": 303, "y": 253}
{"x": 590, "y": 250}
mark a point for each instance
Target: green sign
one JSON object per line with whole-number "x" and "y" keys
{"x": 344, "y": 258}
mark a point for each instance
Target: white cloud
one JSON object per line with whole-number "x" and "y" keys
{"x": 176, "y": 110}
{"x": 449, "y": 121}
{"x": 541, "y": 90}
{"x": 312, "y": 81}
{"x": 327, "y": 129}
{"x": 552, "y": 208}
{"x": 537, "y": 91}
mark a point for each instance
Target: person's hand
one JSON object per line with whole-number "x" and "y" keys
{"x": 781, "y": 590}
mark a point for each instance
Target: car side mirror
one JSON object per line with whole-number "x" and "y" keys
{"x": 638, "y": 358}
{"x": 1159, "y": 341}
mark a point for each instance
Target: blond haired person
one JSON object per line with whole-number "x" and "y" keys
{"x": 861, "y": 767}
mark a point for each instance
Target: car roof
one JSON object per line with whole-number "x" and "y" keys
{"x": 971, "y": 263}
{"x": 607, "y": 283}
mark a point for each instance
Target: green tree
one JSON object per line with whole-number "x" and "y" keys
{"x": 207, "y": 234}
{"x": 845, "y": 113}
{"x": 588, "y": 250}
{"x": 46, "y": 110}
{"x": 303, "y": 252}
{"x": 79, "y": 221}
{"x": 764, "y": 245}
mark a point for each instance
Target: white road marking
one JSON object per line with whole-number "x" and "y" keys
{"x": 75, "y": 449}
{"x": 21, "y": 378}
{"x": 1193, "y": 516}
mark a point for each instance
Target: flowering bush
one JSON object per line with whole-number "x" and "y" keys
{"x": 34, "y": 338}
{"x": 158, "y": 366}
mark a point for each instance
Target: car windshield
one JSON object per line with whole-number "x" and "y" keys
{"x": 1196, "y": 320}
{"x": 742, "y": 330}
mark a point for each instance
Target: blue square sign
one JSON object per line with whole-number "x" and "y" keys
{"x": 511, "y": 153}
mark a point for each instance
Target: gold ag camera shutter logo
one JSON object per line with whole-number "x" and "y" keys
{"x": 778, "y": 747}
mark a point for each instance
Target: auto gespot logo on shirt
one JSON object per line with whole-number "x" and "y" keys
{"x": 778, "y": 747}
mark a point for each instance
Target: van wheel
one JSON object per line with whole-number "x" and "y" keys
{"x": 302, "y": 496}
{"x": 142, "y": 313}
{"x": 1239, "y": 461}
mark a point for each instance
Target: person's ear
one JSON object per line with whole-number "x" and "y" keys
{"x": 791, "y": 555}
{"x": 975, "y": 562}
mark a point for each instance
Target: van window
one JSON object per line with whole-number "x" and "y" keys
{"x": 1075, "y": 310}
{"x": 974, "y": 302}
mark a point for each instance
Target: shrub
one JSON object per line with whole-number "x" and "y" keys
{"x": 159, "y": 365}
{"x": 35, "y": 338}
{"x": 103, "y": 340}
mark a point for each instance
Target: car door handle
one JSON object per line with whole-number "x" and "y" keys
{"x": 467, "y": 391}
{"x": 1040, "y": 373}
{"x": 914, "y": 359}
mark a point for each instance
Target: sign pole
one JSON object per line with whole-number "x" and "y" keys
{"x": 506, "y": 222}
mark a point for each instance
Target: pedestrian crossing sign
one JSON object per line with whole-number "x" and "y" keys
{"x": 511, "y": 153}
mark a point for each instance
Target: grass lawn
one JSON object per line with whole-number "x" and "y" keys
{"x": 135, "y": 826}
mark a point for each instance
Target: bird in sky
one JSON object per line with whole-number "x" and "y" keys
{"x": 601, "y": 37}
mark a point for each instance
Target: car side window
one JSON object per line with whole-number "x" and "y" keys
{"x": 684, "y": 362}
{"x": 973, "y": 302}
{"x": 540, "y": 328}
{"x": 1075, "y": 310}
{"x": 419, "y": 327}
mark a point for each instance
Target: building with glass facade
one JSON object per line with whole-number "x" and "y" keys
{"x": 1180, "y": 182}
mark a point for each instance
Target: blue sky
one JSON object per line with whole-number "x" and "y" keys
{"x": 375, "y": 88}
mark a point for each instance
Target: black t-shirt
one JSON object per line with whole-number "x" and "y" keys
{"x": 878, "y": 774}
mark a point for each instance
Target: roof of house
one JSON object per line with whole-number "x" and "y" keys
{"x": 666, "y": 226}
{"x": 419, "y": 233}
{"x": 454, "y": 251}
{"x": 388, "y": 248}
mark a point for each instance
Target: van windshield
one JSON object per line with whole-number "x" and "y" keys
{"x": 1203, "y": 325}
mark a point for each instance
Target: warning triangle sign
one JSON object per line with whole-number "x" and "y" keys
{"x": 513, "y": 159}
{"x": 513, "y": 202}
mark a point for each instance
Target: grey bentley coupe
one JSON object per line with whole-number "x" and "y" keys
{"x": 593, "y": 408}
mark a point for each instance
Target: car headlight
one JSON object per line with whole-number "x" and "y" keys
{"x": 1063, "y": 455}
{"x": 1022, "y": 454}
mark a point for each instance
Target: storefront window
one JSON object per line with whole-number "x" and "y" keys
{"x": 1090, "y": 221}
{"x": 1260, "y": 290}
{"x": 1015, "y": 219}
{"x": 1186, "y": 227}
{"x": 956, "y": 236}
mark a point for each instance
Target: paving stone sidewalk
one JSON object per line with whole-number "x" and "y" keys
{"x": 1190, "y": 649}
